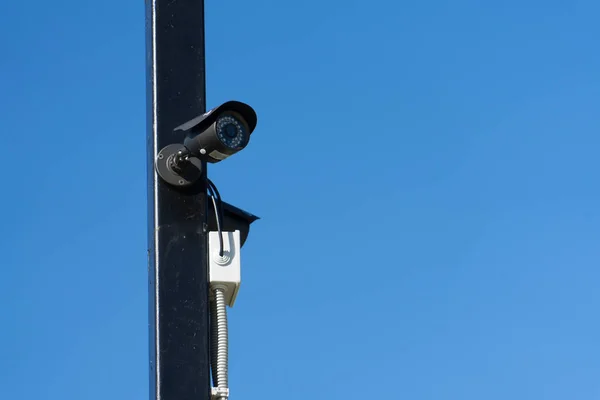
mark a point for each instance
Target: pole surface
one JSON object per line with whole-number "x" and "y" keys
{"x": 178, "y": 292}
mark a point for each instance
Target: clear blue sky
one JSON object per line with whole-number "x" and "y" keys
{"x": 426, "y": 173}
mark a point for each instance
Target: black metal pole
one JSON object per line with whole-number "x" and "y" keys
{"x": 178, "y": 301}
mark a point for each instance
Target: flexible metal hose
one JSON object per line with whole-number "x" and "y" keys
{"x": 219, "y": 339}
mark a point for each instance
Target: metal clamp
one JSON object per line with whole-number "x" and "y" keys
{"x": 218, "y": 393}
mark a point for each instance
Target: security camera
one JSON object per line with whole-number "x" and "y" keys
{"x": 221, "y": 132}
{"x": 210, "y": 137}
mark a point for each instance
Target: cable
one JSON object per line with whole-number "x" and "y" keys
{"x": 219, "y": 343}
{"x": 216, "y": 191}
{"x": 218, "y": 218}
{"x": 219, "y": 352}
{"x": 213, "y": 192}
{"x": 218, "y": 215}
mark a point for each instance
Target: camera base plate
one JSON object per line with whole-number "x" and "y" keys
{"x": 189, "y": 173}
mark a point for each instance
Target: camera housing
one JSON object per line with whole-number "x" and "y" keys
{"x": 210, "y": 137}
{"x": 220, "y": 132}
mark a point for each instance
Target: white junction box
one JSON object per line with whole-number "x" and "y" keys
{"x": 225, "y": 271}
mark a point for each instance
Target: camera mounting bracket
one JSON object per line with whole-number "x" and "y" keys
{"x": 176, "y": 167}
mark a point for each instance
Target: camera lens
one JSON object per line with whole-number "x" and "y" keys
{"x": 231, "y": 131}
